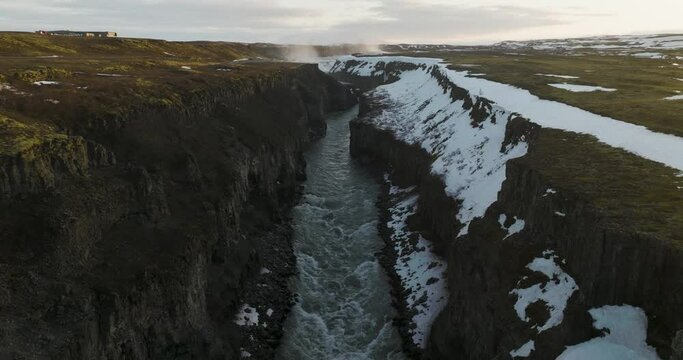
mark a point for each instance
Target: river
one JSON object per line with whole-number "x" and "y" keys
{"x": 344, "y": 309}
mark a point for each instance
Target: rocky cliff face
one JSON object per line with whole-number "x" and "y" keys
{"x": 136, "y": 236}
{"x": 593, "y": 258}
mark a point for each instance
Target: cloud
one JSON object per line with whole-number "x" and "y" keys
{"x": 156, "y": 17}
{"x": 154, "y": 12}
{"x": 418, "y": 21}
{"x": 302, "y": 21}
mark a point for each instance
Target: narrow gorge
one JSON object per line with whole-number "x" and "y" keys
{"x": 344, "y": 308}
{"x": 139, "y": 234}
{"x": 537, "y": 265}
{"x": 212, "y": 200}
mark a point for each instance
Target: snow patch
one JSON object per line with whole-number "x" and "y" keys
{"x": 184, "y": 67}
{"x": 601, "y": 43}
{"x": 111, "y": 75}
{"x": 581, "y": 88}
{"x": 649, "y": 55}
{"x": 45, "y": 82}
{"x": 264, "y": 271}
{"x": 53, "y": 101}
{"x": 10, "y": 88}
{"x": 559, "y": 76}
{"x": 422, "y": 273}
{"x": 246, "y": 316}
{"x": 559, "y": 213}
{"x": 524, "y": 351}
{"x": 395, "y": 190}
{"x": 549, "y": 191}
{"x": 269, "y": 312}
{"x": 554, "y": 292}
{"x": 516, "y": 227}
{"x": 624, "y": 338}
{"x": 675, "y": 97}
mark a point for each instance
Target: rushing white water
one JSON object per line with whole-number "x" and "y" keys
{"x": 344, "y": 309}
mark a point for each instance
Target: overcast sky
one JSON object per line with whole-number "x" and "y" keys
{"x": 336, "y": 21}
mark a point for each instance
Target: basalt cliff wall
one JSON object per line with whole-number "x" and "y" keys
{"x": 610, "y": 262}
{"x": 134, "y": 236}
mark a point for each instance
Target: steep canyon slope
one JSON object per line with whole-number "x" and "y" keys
{"x": 140, "y": 195}
{"x": 549, "y": 236}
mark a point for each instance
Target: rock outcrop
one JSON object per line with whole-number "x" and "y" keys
{"x": 134, "y": 236}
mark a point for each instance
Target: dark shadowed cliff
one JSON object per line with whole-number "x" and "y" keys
{"x": 131, "y": 221}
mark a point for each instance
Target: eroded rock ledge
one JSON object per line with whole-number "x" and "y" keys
{"x": 134, "y": 236}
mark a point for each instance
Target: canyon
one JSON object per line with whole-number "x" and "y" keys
{"x": 216, "y": 201}
{"x": 137, "y": 236}
{"x": 530, "y": 255}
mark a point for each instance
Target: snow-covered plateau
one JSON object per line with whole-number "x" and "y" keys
{"x": 618, "y": 42}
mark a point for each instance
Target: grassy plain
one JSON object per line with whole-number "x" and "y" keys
{"x": 102, "y": 78}
{"x": 630, "y": 191}
{"x": 642, "y": 84}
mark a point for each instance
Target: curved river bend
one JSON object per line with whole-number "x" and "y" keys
{"x": 344, "y": 309}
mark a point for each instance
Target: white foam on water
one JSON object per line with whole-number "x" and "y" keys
{"x": 344, "y": 306}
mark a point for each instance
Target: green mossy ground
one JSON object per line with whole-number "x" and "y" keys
{"x": 630, "y": 191}
{"x": 28, "y": 44}
{"x": 41, "y": 73}
{"x": 18, "y": 137}
{"x": 107, "y": 78}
